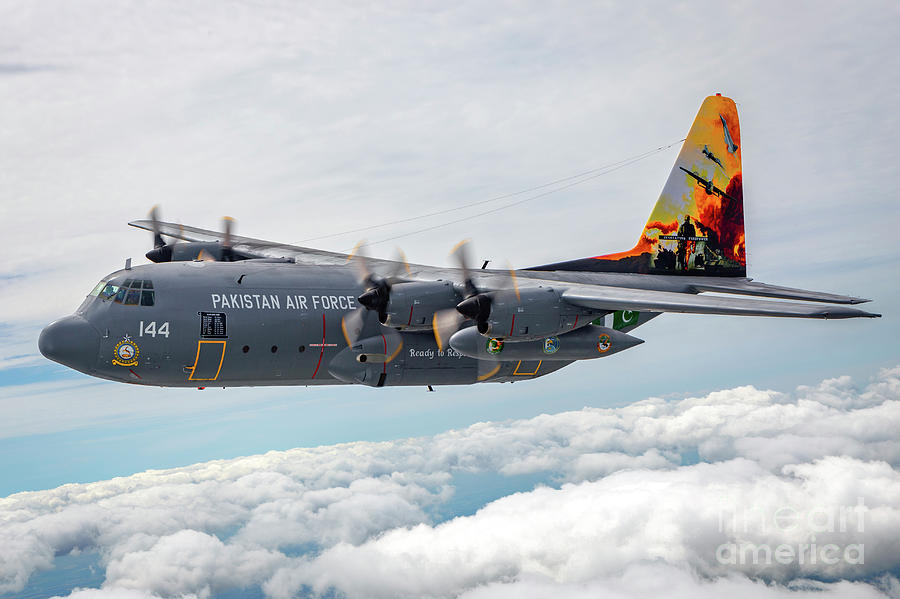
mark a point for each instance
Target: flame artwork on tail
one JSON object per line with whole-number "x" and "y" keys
{"x": 697, "y": 225}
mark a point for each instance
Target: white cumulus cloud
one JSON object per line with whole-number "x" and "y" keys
{"x": 742, "y": 491}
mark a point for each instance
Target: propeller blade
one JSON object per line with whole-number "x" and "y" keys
{"x": 361, "y": 263}
{"x": 400, "y": 267}
{"x": 514, "y": 280}
{"x": 444, "y": 324}
{"x": 487, "y": 369}
{"x": 352, "y": 325}
{"x": 461, "y": 252}
{"x": 227, "y": 226}
{"x": 205, "y": 256}
{"x": 394, "y": 344}
{"x": 158, "y": 240}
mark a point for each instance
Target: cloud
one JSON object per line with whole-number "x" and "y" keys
{"x": 655, "y": 580}
{"x": 191, "y": 562}
{"x": 359, "y": 517}
{"x": 680, "y": 517}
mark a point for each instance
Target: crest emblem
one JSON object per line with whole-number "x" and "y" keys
{"x": 551, "y": 345}
{"x": 604, "y": 343}
{"x": 494, "y": 346}
{"x": 126, "y": 353}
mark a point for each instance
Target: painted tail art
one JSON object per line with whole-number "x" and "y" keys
{"x": 697, "y": 225}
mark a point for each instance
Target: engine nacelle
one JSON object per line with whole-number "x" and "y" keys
{"x": 412, "y": 305}
{"x": 583, "y": 344}
{"x": 537, "y": 313}
{"x": 186, "y": 251}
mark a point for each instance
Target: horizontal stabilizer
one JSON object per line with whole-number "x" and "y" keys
{"x": 617, "y": 298}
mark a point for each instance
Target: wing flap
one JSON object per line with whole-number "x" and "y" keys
{"x": 618, "y": 298}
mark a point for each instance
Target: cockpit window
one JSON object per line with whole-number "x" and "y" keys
{"x": 97, "y": 289}
{"x": 132, "y": 292}
{"x": 109, "y": 291}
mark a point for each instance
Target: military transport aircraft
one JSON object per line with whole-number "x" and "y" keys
{"x": 218, "y": 309}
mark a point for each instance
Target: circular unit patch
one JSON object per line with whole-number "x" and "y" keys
{"x": 494, "y": 346}
{"x": 551, "y": 345}
{"x": 604, "y": 343}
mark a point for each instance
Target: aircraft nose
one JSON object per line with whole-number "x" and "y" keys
{"x": 71, "y": 341}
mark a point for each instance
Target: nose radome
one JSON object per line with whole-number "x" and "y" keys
{"x": 71, "y": 341}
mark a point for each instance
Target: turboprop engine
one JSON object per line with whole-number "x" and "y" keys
{"x": 582, "y": 344}
{"x": 411, "y": 306}
{"x": 526, "y": 315}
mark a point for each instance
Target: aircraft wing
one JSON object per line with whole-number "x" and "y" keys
{"x": 620, "y": 298}
{"x": 248, "y": 245}
{"x": 600, "y": 297}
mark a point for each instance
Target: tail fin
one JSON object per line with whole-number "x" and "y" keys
{"x": 697, "y": 225}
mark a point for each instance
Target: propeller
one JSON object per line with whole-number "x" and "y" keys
{"x": 377, "y": 294}
{"x": 164, "y": 252}
{"x": 475, "y": 306}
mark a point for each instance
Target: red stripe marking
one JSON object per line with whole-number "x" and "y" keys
{"x": 512, "y": 326}
{"x": 321, "y": 351}
{"x": 576, "y": 322}
{"x": 134, "y": 373}
{"x": 409, "y": 322}
{"x": 384, "y": 366}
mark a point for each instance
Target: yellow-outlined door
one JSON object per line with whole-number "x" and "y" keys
{"x": 528, "y": 363}
{"x": 208, "y": 362}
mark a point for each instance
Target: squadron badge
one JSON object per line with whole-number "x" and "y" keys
{"x": 551, "y": 345}
{"x": 494, "y": 346}
{"x": 126, "y": 353}
{"x": 603, "y": 344}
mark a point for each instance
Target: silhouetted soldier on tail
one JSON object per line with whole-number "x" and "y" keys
{"x": 685, "y": 231}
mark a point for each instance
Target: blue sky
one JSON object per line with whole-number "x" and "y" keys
{"x": 306, "y": 121}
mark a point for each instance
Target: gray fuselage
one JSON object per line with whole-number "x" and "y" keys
{"x": 246, "y": 324}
